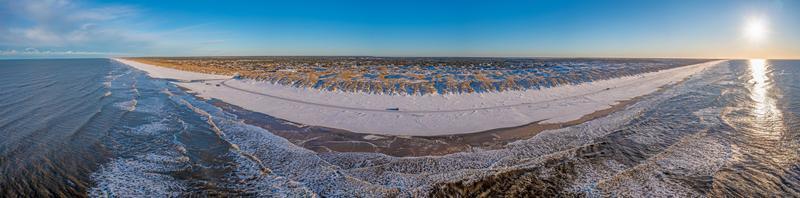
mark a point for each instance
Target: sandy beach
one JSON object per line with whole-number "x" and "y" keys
{"x": 422, "y": 115}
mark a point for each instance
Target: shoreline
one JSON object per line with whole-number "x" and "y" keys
{"x": 428, "y": 115}
{"x": 323, "y": 139}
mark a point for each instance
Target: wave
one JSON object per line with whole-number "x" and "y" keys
{"x": 677, "y": 171}
{"x": 210, "y": 120}
{"x": 151, "y": 105}
{"x": 129, "y": 105}
{"x": 153, "y": 128}
{"x": 140, "y": 176}
{"x": 249, "y": 178}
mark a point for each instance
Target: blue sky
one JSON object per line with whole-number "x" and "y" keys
{"x": 613, "y": 28}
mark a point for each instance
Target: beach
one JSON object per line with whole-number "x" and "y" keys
{"x": 422, "y": 115}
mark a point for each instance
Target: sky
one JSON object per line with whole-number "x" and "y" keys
{"x": 600, "y": 28}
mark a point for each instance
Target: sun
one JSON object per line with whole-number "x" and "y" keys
{"x": 755, "y": 29}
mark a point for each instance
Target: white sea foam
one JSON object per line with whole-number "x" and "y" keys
{"x": 150, "y": 105}
{"x": 153, "y": 128}
{"x": 696, "y": 156}
{"x": 248, "y": 177}
{"x": 140, "y": 176}
{"x": 129, "y": 105}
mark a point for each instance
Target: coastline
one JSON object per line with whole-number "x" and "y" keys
{"x": 169, "y": 73}
{"x": 322, "y": 139}
{"x": 424, "y": 115}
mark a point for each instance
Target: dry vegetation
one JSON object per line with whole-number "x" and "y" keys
{"x": 418, "y": 75}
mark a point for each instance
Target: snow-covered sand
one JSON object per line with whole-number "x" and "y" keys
{"x": 163, "y": 72}
{"x": 425, "y": 115}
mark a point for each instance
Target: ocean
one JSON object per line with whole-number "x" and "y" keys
{"x": 96, "y": 127}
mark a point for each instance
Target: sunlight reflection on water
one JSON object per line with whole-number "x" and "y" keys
{"x": 763, "y": 106}
{"x": 768, "y": 116}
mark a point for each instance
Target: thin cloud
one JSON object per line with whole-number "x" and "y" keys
{"x": 37, "y": 52}
{"x": 210, "y": 42}
{"x": 66, "y": 24}
{"x": 87, "y": 28}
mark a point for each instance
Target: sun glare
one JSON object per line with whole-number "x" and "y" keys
{"x": 755, "y": 29}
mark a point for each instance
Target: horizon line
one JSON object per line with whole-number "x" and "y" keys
{"x": 508, "y": 57}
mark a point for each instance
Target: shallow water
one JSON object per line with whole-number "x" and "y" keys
{"x": 94, "y": 127}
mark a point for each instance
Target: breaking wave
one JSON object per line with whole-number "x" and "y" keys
{"x": 140, "y": 176}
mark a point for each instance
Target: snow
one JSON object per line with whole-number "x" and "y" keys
{"x": 169, "y": 73}
{"x": 423, "y": 115}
